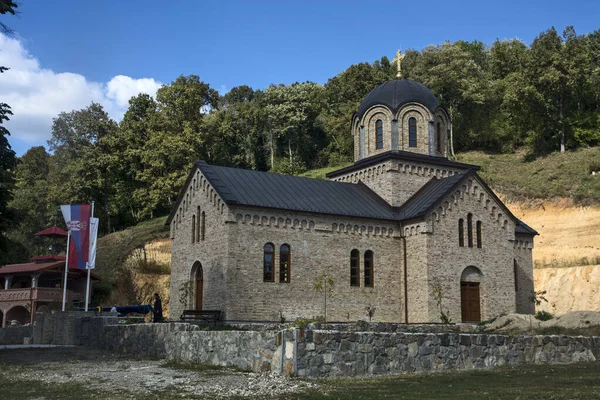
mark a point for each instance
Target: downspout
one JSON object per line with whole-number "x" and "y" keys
{"x": 405, "y": 276}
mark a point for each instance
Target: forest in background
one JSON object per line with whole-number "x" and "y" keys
{"x": 502, "y": 97}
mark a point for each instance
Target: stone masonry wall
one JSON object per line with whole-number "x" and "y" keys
{"x": 319, "y": 245}
{"x": 337, "y": 354}
{"x": 210, "y": 253}
{"x": 447, "y": 260}
{"x": 15, "y": 334}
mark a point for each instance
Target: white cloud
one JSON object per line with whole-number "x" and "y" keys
{"x": 36, "y": 95}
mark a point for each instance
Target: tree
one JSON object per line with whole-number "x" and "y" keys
{"x": 324, "y": 283}
{"x": 8, "y": 160}
{"x": 33, "y": 210}
{"x": 80, "y": 142}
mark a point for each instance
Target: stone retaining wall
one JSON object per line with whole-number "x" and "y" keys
{"x": 345, "y": 350}
{"x": 15, "y": 334}
{"x": 333, "y": 353}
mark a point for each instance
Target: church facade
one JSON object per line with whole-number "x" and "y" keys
{"x": 404, "y": 230}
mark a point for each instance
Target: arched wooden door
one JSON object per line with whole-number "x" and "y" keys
{"x": 199, "y": 285}
{"x": 470, "y": 298}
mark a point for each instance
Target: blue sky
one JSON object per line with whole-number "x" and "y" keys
{"x": 73, "y": 52}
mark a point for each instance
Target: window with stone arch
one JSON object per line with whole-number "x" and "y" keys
{"x": 198, "y": 223}
{"x": 412, "y": 132}
{"x": 368, "y": 268}
{"x": 461, "y": 232}
{"x": 203, "y": 225}
{"x": 354, "y": 268}
{"x": 516, "y": 274}
{"x": 379, "y": 134}
{"x": 478, "y": 227}
{"x": 268, "y": 262}
{"x": 439, "y": 137}
{"x": 285, "y": 259}
{"x": 470, "y": 229}
{"x": 193, "y": 228}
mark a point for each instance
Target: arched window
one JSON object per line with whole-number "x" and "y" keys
{"x": 198, "y": 224}
{"x": 461, "y": 233}
{"x": 268, "y": 256}
{"x": 203, "y": 227}
{"x": 284, "y": 263}
{"x": 439, "y": 137}
{"x": 412, "y": 132}
{"x": 470, "y": 229}
{"x": 379, "y": 134}
{"x": 354, "y": 268}
{"x": 478, "y": 225}
{"x": 516, "y": 274}
{"x": 368, "y": 268}
{"x": 193, "y": 228}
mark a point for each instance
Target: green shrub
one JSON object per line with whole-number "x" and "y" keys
{"x": 303, "y": 322}
{"x": 543, "y": 315}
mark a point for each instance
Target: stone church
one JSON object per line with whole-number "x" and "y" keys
{"x": 399, "y": 224}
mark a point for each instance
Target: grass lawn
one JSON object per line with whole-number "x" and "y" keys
{"x": 575, "y": 381}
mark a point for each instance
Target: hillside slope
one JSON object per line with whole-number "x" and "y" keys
{"x": 135, "y": 263}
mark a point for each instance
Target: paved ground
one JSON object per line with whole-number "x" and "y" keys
{"x": 116, "y": 373}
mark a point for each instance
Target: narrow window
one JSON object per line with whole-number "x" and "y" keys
{"x": 470, "y": 229}
{"x": 268, "y": 256}
{"x": 516, "y": 274}
{"x": 379, "y": 134}
{"x": 439, "y": 138}
{"x": 284, "y": 263}
{"x": 203, "y": 228}
{"x": 198, "y": 223}
{"x": 412, "y": 132}
{"x": 368, "y": 268}
{"x": 354, "y": 268}
{"x": 193, "y": 228}
{"x": 461, "y": 233}
{"x": 478, "y": 234}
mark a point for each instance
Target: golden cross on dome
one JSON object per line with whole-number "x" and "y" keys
{"x": 399, "y": 57}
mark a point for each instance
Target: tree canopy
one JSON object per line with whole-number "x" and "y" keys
{"x": 504, "y": 96}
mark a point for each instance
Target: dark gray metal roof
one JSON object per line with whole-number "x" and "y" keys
{"x": 401, "y": 155}
{"x": 394, "y": 94}
{"x": 265, "y": 189}
{"x": 525, "y": 229}
{"x": 429, "y": 195}
{"x": 294, "y": 193}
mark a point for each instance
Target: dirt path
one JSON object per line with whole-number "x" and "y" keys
{"x": 115, "y": 373}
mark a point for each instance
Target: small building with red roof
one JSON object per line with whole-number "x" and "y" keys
{"x": 37, "y": 286}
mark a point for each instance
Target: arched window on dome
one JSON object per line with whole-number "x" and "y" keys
{"x": 439, "y": 138}
{"x": 412, "y": 132}
{"x": 379, "y": 134}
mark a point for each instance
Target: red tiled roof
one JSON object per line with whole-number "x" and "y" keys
{"x": 36, "y": 267}
{"x": 55, "y": 230}
{"x": 29, "y": 267}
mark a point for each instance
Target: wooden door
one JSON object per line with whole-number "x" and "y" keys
{"x": 470, "y": 302}
{"x": 199, "y": 284}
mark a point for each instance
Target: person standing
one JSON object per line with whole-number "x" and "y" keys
{"x": 157, "y": 308}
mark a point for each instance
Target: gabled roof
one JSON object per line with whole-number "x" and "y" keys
{"x": 54, "y": 231}
{"x": 39, "y": 267}
{"x": 430, "y": 195}
{"x": 403, "y": 156}
{"x": 270, "y": 190}
{"x": 293, "y": 193}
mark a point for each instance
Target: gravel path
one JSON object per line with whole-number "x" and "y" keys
{"x": 117, "y": 373}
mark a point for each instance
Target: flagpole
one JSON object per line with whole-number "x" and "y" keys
{"x": 87, "y": 286}
{"x": 64, "y": 299}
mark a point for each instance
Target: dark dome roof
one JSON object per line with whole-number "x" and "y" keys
{"x": 394, "y": 94}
